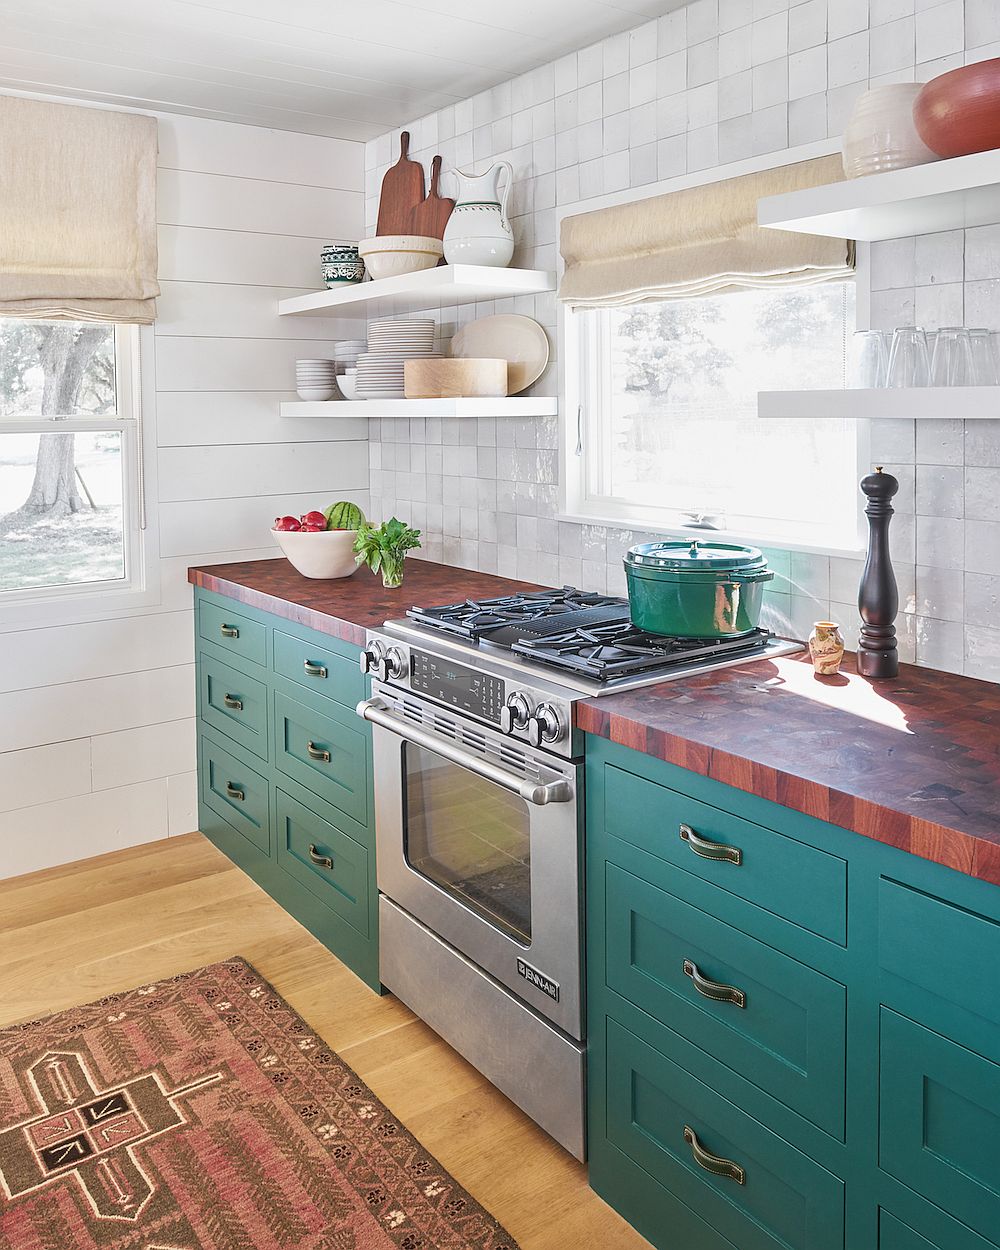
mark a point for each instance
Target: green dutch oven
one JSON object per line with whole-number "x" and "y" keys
{"x": 696, "y": 589}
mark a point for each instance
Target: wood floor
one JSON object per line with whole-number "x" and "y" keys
{"x": 69, "y": 935}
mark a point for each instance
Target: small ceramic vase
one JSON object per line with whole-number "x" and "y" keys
{"x": 478, "y": 231}
{"x": 826, "y": 646}
{"x": 881, "y": 134}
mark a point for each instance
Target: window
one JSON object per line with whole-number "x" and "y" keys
{"x": 668, "y": 429}
{"x": 70, "y": 477}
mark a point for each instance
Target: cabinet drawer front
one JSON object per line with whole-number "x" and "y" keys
{"x": 324, "y": 753}
{"x": 232, "y": 632}
{"x": 319, "y": 669}
{"x": 939, "y": 1121}
{"x": 234, "y": 704}
{"x": 685, "y": 968}
{"x": 791, "y": 879}
{"x": 786, "y": 1199}
{"x": 236, "y": 793}
{"x": 943, "y": 949}
{"x": 894, "y": 1234}
{"x": 325, "y": 860}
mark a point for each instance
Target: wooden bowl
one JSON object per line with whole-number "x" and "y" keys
{"x": 959, "y": 112}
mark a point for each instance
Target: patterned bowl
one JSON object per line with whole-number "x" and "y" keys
{"x": 343, "y": 272}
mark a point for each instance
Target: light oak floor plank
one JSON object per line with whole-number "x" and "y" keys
{"x": 72, "y": 934}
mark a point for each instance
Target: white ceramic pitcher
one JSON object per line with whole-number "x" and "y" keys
{"x": 478, "y": 231}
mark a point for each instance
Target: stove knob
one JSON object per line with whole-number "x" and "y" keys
{"x": 544, "y": 725}
{"x": 371, "y": 655}
{"x": 514, "y": 714}
{"x": 391, "y": 664}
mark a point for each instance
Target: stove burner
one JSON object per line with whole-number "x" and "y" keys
{"x": 518, "y": 616}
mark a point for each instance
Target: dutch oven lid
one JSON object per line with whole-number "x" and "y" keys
{"x": 680, "y": 556}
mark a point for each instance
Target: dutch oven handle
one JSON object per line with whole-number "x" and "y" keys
{"x": 761, "y": 575}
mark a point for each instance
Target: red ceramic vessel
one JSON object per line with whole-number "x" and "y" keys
{"x": 959, "y": 112}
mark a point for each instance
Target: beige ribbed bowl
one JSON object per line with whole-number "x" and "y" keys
{"x": 455, "y": 379}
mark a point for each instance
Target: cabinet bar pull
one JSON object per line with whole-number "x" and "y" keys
{"x": 710, "y": 1162}
{"x": 229, "y": 631}
{"x": 713, "y": 989}
{"x": 318, "y": 753}
{"x": 711, "y": 850}
{"x": 321, "y": 861}
{"x": 231, "y": 701}
{"x": 314, "y": 670}
{"x": 235, "y": 792}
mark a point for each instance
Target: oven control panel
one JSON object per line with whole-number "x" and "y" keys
{"x": 455, "y": 685}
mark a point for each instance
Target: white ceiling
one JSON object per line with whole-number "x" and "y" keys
{"x": 347, "y": 68}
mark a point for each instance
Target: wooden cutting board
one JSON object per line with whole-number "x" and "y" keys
{"x": 402, "y": 191}
{"x": 431, "y": 215}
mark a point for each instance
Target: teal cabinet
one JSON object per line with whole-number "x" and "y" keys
{"x": 285, "y": 777}
{"x": 794, "y": 1030}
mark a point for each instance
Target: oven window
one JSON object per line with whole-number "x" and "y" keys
{"x": 469, "y": 837}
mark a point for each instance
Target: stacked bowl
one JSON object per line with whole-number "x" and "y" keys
{"x": 391, "y": 342}
{"x": 347, "y": 352}
{"x": 316, "y": 379}
{"x": 342, "y": 266}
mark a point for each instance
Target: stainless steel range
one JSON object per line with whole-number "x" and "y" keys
{"x": 478, "y": 805}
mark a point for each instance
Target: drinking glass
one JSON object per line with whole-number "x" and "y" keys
{"x": 985, "y": 359}
{"x": 951, "y": 364}
{"x": 908, "y": 361}
{"x": 869, "y": 359}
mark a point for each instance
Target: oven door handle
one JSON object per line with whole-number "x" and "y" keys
{"x": 539, "y": 793}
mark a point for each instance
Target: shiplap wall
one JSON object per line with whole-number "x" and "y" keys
{"x": 97, "y": 736}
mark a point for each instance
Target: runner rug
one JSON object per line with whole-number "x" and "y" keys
{"x": 201, "y": 1113}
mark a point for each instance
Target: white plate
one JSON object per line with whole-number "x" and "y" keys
{"x": 519, "y": 340}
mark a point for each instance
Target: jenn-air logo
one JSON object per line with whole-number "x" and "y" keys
{"x": 538, "y": 979}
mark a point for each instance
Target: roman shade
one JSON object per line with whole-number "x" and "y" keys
{"x": 700, "y": 241}
{"x": 77, "y": 213}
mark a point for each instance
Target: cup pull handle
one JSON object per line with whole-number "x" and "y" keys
{"x": 234, "y": 792}
{"x": 713, "y": 1163}
{"x": 711, "y": 850}
{"x": 229, "y": 631}
{"x": 713, "y": 989}
{"x": 318, "y": 753}
{"x": 321, "y": 861}
{"x": 231, "y": 701}
{"x": 314, "y": 670}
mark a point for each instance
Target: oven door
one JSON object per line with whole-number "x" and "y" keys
{"x": 478, "y": 837}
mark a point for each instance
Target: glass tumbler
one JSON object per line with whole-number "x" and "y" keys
{"x": 869, "y": 359}
{"x": 951, "y": 364}
{"x": 908, "y": 361}
{"x": 985, "y": 358}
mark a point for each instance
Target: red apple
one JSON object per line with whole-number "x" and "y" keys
{"x": 287, "y": 523}
{"x": 312, "y": 529}
{"x": 314, "y": 521}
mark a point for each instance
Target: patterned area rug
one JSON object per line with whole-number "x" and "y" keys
{"x": 201, "y": 1113}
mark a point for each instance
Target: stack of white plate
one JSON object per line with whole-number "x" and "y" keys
{"x": 316, "y": 379}
{"x": 391, "y": 343}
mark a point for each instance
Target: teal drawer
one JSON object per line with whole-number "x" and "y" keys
{"x": 237, "y": 634}
{"x": 327, "y": 861}
{"x": 788, "y": 878}
{"x": 939, "y": 1121}
{"x": 894, "y": 1234}
{"x": 786, "y": 1199}
{"x": 324, "y": 752}
{"x": 940, "y": 948}
{"x": 234, "y": 704}
{"x": 319, "y": 668}
{"x": 788, "y": 1037}
{"x": 235, "y": 792}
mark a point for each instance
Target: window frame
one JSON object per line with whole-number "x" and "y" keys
{"x": 55, "y": 605}
{"x": 579, "y": 381}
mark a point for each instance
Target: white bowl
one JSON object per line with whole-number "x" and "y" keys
{"x": 392, "y": 255}
{"x": 348, "y": 383}
{"x": 323, "y": 555}
{"x": 881, "y": 134}
{"x": 315, "y": 394}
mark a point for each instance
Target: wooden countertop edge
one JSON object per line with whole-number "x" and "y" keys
{"x": 322, "y": 622}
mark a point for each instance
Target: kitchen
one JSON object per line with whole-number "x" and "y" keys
{"x": 746, "y": 995}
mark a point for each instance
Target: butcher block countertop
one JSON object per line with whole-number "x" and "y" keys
{"x": 914, "y": 762}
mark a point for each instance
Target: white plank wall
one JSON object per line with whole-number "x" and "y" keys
{"x": 97, "y": 731}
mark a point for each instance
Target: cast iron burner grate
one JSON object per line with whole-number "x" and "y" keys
{"x": 512, "y": 617}
{"x": 606, "y": 652}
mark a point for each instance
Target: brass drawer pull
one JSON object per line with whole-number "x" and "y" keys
{"x": 229, "y": 631}
{"x": 714, "y": 989}
{"x": 314, "y": 670}
{"x": 713, "y": 1163}
{"x": 321, "y": 861}
{"x": 231, "y": 701}
{"x": 235, "y": 792}
{"x": 318, "y": 753}
{"x": 711, "y": 850}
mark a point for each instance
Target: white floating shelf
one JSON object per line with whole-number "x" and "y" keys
{"x": 926, "y": 403}
{"x": 514, "y": 406}
{"x": 943, "y": 195}
{"x": 431, "y": 288}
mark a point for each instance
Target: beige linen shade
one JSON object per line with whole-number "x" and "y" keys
{"x": 77, "y": 213}
{"x": 701, "y": 241}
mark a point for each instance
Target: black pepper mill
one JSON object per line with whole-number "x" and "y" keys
{"x": 878, "y": 598}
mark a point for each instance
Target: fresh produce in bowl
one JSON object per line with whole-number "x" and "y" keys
{"x": 318, "y": 544}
